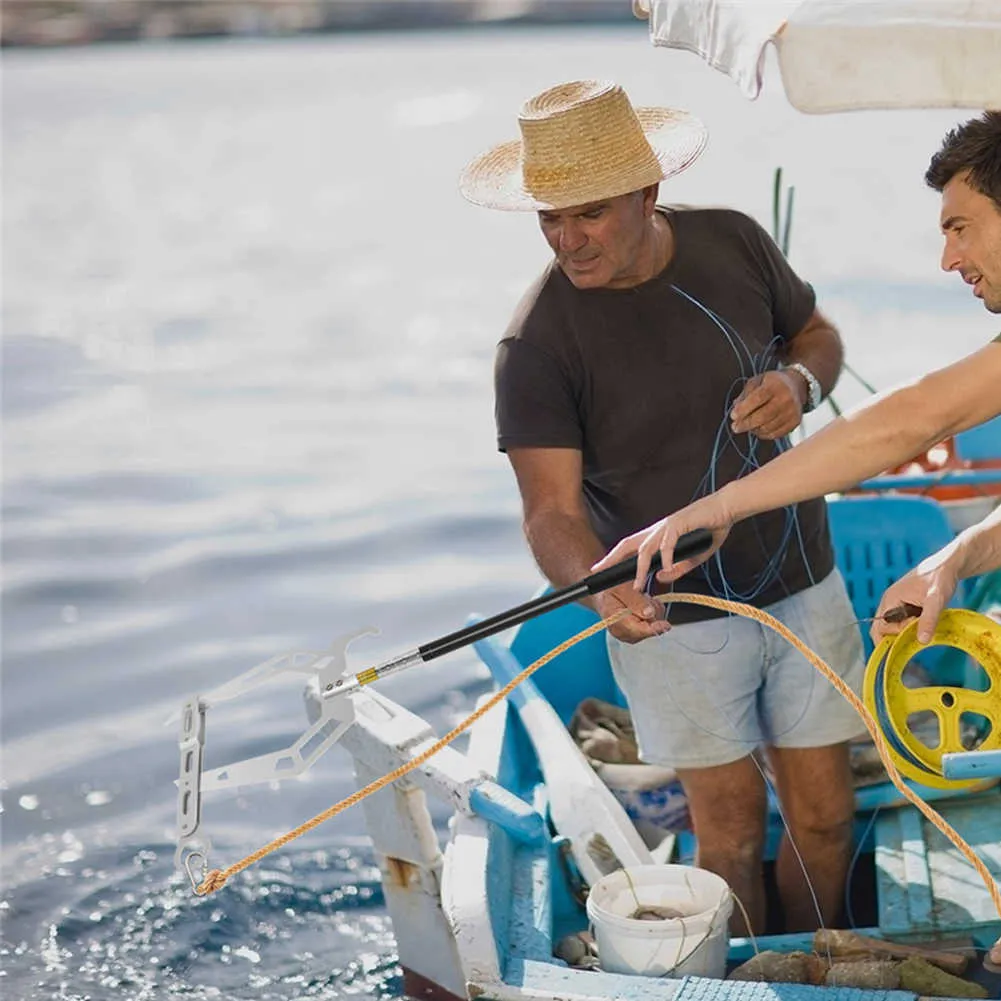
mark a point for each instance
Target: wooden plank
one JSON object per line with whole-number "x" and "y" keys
{"x": 961, "y": 899}
{"x": 926, "y": 888}
{"x": 916, "y": 875}
{"x": 410, "y": 863}
{"x": 527, "y": 980}
{"x": 891, "y": 881}
{"x": 531, "y": 918}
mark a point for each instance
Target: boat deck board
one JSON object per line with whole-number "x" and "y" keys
{"x": 531, "y": 918}
{"x": 926, "y": 889}
{"x": 534, "y": 980}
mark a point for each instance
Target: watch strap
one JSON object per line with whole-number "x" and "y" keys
{"x": 814, "y": 392}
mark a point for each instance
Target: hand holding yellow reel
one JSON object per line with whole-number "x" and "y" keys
{"x": 892, "y": 703}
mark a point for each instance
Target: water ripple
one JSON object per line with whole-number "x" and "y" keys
{"x": 314, "y": 921}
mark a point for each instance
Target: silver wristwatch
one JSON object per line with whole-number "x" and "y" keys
{"x": 814, "y": 392}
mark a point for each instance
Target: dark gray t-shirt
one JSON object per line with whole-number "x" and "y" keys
{"x": 641, "y": 381}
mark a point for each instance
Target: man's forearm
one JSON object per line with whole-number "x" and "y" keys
{"x": 564, "y": 546}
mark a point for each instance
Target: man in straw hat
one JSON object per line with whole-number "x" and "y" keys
{"x": 893, "y": 427}
{"x": 613, "y": 383}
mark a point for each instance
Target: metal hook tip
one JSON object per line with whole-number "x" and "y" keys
{"x": 195, "y": 883}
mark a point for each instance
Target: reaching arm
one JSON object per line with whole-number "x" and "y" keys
{"x": 562, "y": 540}
{"x": 888, "y": 429}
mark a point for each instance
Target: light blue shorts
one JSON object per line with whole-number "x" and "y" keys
{"x": 708, "y": 693}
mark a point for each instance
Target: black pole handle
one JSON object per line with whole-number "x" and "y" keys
{"x": 690, "y": 544}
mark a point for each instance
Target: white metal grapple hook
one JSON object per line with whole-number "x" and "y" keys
{"x": 195, "y": 883}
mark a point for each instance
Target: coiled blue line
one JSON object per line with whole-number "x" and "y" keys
{"x": 886, "y": 726}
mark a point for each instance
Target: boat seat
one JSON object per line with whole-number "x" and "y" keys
{"x": 879, "y": 539}
{"x": 586, "y": 662}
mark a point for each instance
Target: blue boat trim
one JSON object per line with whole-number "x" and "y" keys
{"x": 531, "y": 913}
{"x": 972, "y": 764}
{"x": 498, "y": 805}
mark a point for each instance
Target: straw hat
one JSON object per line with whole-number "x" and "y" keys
{"x": 582, "y": 142}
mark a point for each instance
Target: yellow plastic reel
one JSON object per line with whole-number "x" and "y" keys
{"x": 892, "y": 703}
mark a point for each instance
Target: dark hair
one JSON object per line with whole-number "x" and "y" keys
{"x": 975, "y": 147}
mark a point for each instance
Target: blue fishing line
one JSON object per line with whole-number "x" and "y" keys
{"x": 722, "y": 324}
{"x": 886, "y": 725}
{"x": 774, "y": 558}
{"x": 719, "y": 584}
{"x": 769, "y": 785}
{"x": 778, "y": 554}
{"x": 747, "y": 454}
{"x": 758, "y": 364}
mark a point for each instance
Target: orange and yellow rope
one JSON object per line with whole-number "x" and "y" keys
{"x": 217, "y": 878}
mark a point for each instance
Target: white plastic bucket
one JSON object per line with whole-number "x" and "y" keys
{"x": 694, "y": 943}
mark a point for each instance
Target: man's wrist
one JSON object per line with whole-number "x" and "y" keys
{"x": 802, "y": 387}
{"x": 814, "y": 391}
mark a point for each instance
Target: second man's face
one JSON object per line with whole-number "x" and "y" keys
{"x": 599, "y": 245}
{"x": 971, "y": 223}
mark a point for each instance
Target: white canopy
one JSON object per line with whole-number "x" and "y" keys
{"x": 837, "y": 55}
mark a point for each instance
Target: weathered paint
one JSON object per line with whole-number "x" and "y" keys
{"x": 417, "y": 986}
{"x": 582, "y": 806}
{"x": 410, "y": 864}
{"x": 498, "y": 805}
{"x": 926, "y": 890}
{"x": 478, "y": 852}
{"x": 531, "y": 917}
